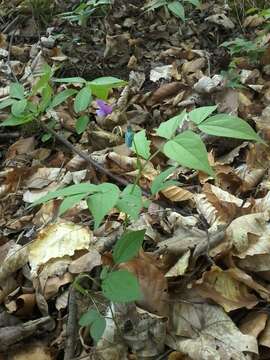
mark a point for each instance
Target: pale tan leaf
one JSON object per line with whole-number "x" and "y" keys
{"x": 16, "y": 258}
{"x": 22, "y": 146}
{"x": 86, "y": 262}
{"x": 253, "y": 324}
{"x": 249, "y": 234}
{"x": 58, "y": 240}
{"x": 181, "y": 266}
{"x": 264, "y": 339}
{"x": 176, "y": 193}
{"x": 232, "y": 289}
{"x": 204, "y": 331}
{"x": 153, "y": 284}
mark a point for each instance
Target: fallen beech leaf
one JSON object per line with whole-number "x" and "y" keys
{"x": 253, "y": 324}
{"x": 23, "y": 305}
{"x": 181, "y": 266}
{"x": 204, "y": 331}
{"x": 58, "y": 240}
{"x": 86, "y": 262}
{"x": 177, "y": 194}
{"x": 193, "y": 66}
{"x": 54, "y": 283}
{"x": 264, "y": 338}
{"x": 166, "y": 90}
{"x": 16, "y": 258}
{"x": 153, "y": 285}
{"x": 33, "y": 351}
{"x": 232, "y": 288}
{"x": 249, "y": 234}
{"x": 22, "y": 146}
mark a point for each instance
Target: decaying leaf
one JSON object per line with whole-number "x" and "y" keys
{"x": 204, "y": 331}
{"x": 232, "y": 288}
{"x": 58, "y": 240}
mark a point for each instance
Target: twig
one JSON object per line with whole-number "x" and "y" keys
{"x": 71, "y": 325}
{"x": 105, "y": 171}
{"x": 87, "y": 158}
{"x": 12, "y": 135}
{"x": 9, "y": 52}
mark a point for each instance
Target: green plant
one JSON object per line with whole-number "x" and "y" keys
{"x": 232, "y": 78}
{"x": 185, "y": 149}
{"x": 84, "y": 10}
{"x": 116, "y": 285}
{"x": 27, "y": 106}
{"x": 176, "y": 7}
{"x": 241, "y": 46}
{"x": 42, "y": 10}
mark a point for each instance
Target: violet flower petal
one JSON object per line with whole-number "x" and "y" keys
{"x": 104, "y": 109}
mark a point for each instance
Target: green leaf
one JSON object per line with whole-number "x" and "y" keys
{"x": 121, "y": 286}
{"x": 16, "y": 91}
{"x": 194, "y": 2}
{"x": 229, "y": 126}
{"x": 5, "y": 103}
{"x": 168, "y": 128}
{"x": 82, "y": 99}
{"x": 200, "y": 114}
{"x": 15, "y": 121}
{"x": 18, "y": 107}
{"x": 160, "y": 183}
{"x": 81, "y": 124}
{"x": 141, "y": 145}
{"x": 45, "y": 137}
{"x": 44, "y": 79}
{"x": 128, "y": 246}
{"x": 62, "y": 97}
{"x": 46, "y": 95}
{"x": 69, "y": 202}
{"x": 101, "y": 86}
{"x": 177, "y": 9}
{"x": 95, "y": 321}
{"x": 130, "y": 201}
{"x": 102, "y": 201}
{"x": 84, "y": 188}
{"x": 187, "y": 149}
{"x": 71, "y": 80}
{"x": 154, "y": 4}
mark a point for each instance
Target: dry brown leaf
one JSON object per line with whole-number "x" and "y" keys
{"x": 23, "y": 305}
{"x": 86, "y": 262}
{"x": 204, "y": 331}
{"x": 56, "y": 241}
{"x": 232, "y": 288}
{"x": 33, "y": 351}
{"x": 193, "y": 66}
{"x": 165, "y": 91}
{"x": 53, "y": 285}
{"x": 253, "y": 324}
{"x": 264, "y": 338}
{"x": 181, "y": 265}
{"x": 249, "y": 234}
{"x": 22, "y": 146}
{"x": 16, "y": 258}
{"x": 176, "y": 193}
{"x": 153, "y": 285}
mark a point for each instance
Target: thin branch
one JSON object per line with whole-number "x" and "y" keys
{"x": 71, "y": 333}
{"x": 105, "y": 171}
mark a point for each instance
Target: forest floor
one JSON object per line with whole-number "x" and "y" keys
{"x": 78, "y": 82}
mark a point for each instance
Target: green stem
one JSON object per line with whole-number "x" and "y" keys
{"x": 142, "y": 167}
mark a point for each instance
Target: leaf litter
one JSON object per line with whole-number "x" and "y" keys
{"x": 203, "y": 272}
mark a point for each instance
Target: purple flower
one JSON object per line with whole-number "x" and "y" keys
{"x": 104, "y": 109}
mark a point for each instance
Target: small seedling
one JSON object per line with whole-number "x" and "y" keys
{"x": 176, "y": 7}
